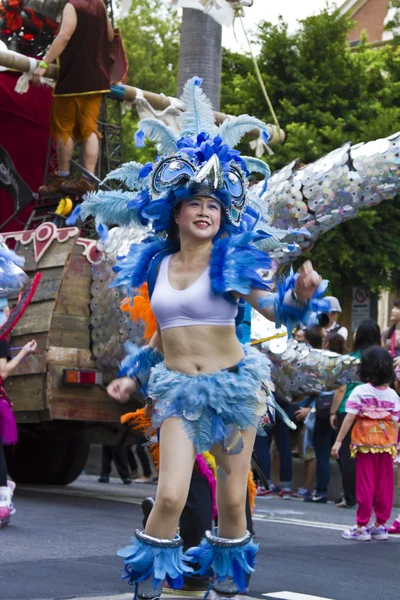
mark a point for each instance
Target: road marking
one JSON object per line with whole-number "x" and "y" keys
{"x": 294, "y": 596}
{"x": 300, "y": 522}
{"x": 257, "y": 516}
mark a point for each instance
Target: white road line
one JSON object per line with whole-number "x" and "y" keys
{"x": 300, "y": 522}
{"x": 294, "y": 596}
{"x": 268, "y": 518}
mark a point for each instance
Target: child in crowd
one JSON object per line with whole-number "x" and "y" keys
{"x": 8, "y": 426}
{"x": 375, "y": 408}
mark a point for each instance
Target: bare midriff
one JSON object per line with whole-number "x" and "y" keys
{"x": 201, "y": 348}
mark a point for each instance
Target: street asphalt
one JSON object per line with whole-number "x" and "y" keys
{"x": 62, "y": 543}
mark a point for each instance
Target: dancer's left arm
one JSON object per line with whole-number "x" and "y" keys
{"x": 306, "y": 284}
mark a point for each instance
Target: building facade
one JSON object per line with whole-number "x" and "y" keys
{"x": 371, "y": 16}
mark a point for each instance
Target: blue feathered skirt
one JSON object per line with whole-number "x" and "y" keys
{"x": 214, "y": 407}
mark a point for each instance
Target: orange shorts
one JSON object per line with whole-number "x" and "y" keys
{"x": 75, "y": 117}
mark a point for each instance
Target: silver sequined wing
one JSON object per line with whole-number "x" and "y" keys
{"x": 111, "y": 327}
{"x": 304, "y": 370}
{"x": 331, "y": 190}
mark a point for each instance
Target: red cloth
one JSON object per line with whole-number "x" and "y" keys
{"x": 24, "y": 133}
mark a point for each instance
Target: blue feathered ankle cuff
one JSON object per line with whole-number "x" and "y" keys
{"x": 225, "y": 559}
{"x": 290, "y": 312}
{"x": 154, "y": 559}
{"x": 139, "y": 364}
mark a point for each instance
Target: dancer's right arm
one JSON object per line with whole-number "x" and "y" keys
{"x": 121, "y": 389}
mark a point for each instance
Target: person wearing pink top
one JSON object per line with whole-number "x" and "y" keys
{"x": 374, "y": 408}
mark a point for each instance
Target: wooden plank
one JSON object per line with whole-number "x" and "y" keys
{"x": 70, "y": 331}
{"x": 56, "y": 255}
{"x": 33, "y": 363}
{"x": 32, "y": 416}
{"x": 71, "y": 357}
{"x": 74, "y": 296}
{"x": 75, "y": 302}
{"x": 28, "y": 392}
{"x": 82, "y": 409}
{"x": 49, "y": 284}
{"x": 37, "y": 319}
{"x": 80, "y": 403}
{"x": 57, "y": 389}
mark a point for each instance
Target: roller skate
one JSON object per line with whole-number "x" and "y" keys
{"x": 5, "y": 506}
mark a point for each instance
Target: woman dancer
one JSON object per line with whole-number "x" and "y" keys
{"x": 203, "y": 385}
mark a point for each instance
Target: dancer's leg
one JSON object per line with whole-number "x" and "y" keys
{"x": 232, "y": 490}
{"x": 177, "y": 456}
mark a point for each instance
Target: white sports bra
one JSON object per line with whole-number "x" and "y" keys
{"x": 195, "y": 305}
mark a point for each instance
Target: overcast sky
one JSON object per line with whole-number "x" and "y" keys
{"x": 269, "y": 10}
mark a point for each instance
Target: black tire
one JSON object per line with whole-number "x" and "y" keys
{"x": 75, "y": 460}
{"x": 37, "y": 458}
{"x": 47, "y": 456}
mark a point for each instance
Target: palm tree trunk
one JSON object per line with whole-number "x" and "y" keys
{"x": 201, "y": 53}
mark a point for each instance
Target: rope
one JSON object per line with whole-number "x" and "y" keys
{"x": 259, "y": 76}
{"x": 268, "y": 339}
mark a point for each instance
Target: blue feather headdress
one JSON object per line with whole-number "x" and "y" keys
{"x": 199, "y": 161}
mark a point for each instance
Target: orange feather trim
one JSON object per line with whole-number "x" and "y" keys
{"x": 252, "y": 489}
{"x": 140, "y": 308}
{"x": 139, "y": 422}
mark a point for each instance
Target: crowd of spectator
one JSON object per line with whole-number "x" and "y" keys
{"x": 325, "y": 427}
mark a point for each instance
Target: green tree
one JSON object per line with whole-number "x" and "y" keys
{"x": 150, "y": 33}
{"x": 326, "y": 94}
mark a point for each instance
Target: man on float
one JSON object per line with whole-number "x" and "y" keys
{"x": 82, "y": 49}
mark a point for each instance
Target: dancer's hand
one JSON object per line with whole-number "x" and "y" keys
{"x": 335, "y": 450}
{"x": 121, "y": 389}
{"x": 333, "y": 420}
{"x": 148, "y": 411}
{"x": 307, "y": 282}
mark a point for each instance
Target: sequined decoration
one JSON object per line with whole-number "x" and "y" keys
{"x": 111, "y": 328}
{"x": 300, "y": 369}
{"x": 331, "y": 190}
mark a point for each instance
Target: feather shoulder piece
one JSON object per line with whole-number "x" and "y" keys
{"x": 235, "y": 262}
{"x": 132, "y": 269}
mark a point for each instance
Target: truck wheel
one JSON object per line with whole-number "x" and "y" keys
{"x": 77, "y": 452}
{"x": 37, "y": 458}
{"x": 46, "y": 456}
